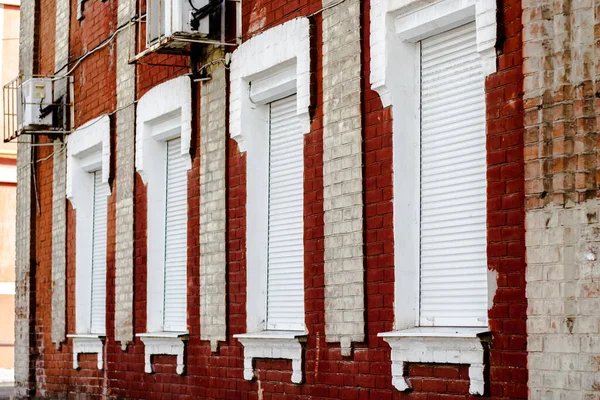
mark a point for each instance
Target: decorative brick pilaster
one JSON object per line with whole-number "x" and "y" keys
{"x": 213, "y": 315}
{"x": 342, "y": 175}
{"x": 125, "y": 146}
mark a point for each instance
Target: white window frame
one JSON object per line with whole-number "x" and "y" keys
{"x": 88, "y": 151}
{"x": 268, "y": 67}
{"x": 163, "y": 113}
{"x": 397, "y": 26}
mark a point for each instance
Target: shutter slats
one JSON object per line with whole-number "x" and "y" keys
{"x": 175, "y": 300}
{"x": 453, "y": 278}
{"x": 285, "y": 269}
{"x": 98, "y": 289}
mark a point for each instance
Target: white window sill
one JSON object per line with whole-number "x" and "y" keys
{"x": 169, "y": 343}
{"x": 87, "y": 344}
{"x": 438, "y": 345}
{"x": 273, "y": 344}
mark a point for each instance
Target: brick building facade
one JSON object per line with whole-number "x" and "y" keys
{"x": 170, "y": 183}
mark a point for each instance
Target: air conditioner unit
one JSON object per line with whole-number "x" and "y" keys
{"x": 167, "y": 18}
{"x": 33, "y": 98}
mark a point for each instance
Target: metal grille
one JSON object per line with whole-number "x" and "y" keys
{"x": 10, "y": 103}
{"x": 60, "y": 112}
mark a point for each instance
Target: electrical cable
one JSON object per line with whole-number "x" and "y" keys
{"x": 99, "y": 46}
{"x": 337, "y": 3}
{"x": 64, "y": 145}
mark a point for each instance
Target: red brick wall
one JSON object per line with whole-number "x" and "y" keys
{"x": 327, "y": 374}
{"x": 506, "y": 215}
{"x": 95, "y": 77}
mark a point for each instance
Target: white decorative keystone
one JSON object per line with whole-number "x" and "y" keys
{"x": 87, "y": 344}
{"x": 168, "y": 343}
{"x": 273, "y": 344}
{"x": 437, "y": 345}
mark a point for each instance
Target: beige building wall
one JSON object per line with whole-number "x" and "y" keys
{"x": 8, "y": 206}
{"x": 9, "y": 69}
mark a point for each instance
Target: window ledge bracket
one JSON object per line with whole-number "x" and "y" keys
{"x": 273, "y": 344}
{"x": 169, "y": 343}
{"x": 87, "y": 344}
{"x": 438, "y": 345}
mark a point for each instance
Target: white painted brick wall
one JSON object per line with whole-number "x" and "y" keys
{"x": 563, "y": 294}
{"x": 213, "y": 312}
{"x": 59, "y": 206}
{"x": 59, "y": 236}
{"x": 125, "y": 164}
{"x": 24, "y": 210}
{"x": 342, "y": 175}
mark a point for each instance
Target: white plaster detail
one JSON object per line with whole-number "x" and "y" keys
{"x": 88, "y": 150}
{"x": 87, "y": 344}
{"x": 270, "y": 54}
{"x": 164, "y": 109}
{"x": 273, "y": 344}
{"x": 396, "y": 21}
{"x": 163, "y": 113}
{"x": 169, "y": 343}
{"x": 89, "y": 143}
{"x": 437, "y": 345}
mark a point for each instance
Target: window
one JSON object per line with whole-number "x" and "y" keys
{"x": 453, "y": 263}
{"x": 163, "y": 159}
{"x": 432, "y": 70}
{"x": 88, "y": 161}
{"x": 285, "y": 269}
{"x": 268, "y": 117}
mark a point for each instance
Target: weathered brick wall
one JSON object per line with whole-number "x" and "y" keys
{"x": 505, "y": 211}
{"x": 328, "y": 373}
{"x": 561, "y": 172}
{"x": 25, "y": 210}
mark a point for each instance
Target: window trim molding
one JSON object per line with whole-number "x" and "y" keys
{"x": 167, "y": 343}
{"x": 163, "y": 113}
{"x": 265, "y": 56}
{"x": 88, "y": 344}
{"x": 395, "y": 22}
{"x": 88, "y": 150}
{"x": 159, "y": 111}
{"x": 287, "y": 345}
{"x": 442, "y": 346}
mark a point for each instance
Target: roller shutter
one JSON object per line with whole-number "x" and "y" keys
{"x": 98, "y": 290}
{"x": 175, "y": 305}
{"x": 453, "y": 278}
{"x": 285, "y": 271}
